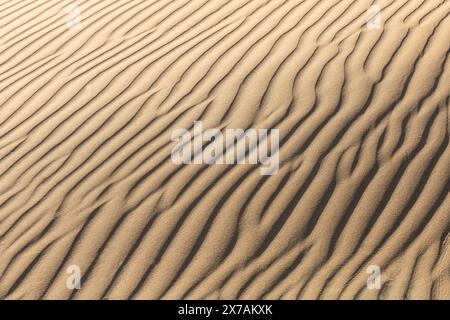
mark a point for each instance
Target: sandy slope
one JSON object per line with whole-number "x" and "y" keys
{"x": 86, "y": 177}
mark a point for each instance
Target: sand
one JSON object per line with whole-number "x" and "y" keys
{"x": 92, "y": 90}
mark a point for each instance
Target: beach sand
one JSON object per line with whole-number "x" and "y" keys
{"x": 91, "y": 92}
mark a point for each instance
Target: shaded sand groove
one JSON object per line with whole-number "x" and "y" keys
{"x": 86, "y": 177}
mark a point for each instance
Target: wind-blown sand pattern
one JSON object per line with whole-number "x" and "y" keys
{"x": 86, "y": 177}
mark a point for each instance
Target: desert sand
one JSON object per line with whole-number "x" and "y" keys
{"x": 91, "y": 92}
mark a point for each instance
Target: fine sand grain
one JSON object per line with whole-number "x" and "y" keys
{"x": 92, "y": 90}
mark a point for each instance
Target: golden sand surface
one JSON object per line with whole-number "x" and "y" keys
{"x": 91, "y": 92}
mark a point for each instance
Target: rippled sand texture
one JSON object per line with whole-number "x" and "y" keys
{"x": 86, "y": 178}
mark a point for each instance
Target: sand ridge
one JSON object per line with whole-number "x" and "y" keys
{"x": 88, "y": 105}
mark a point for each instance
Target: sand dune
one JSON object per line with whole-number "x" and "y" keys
{"x": 91, "y": 92}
